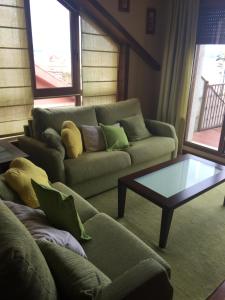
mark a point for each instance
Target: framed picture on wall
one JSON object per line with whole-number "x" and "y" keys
{"x": 150, "y": 20}
{"x": 124, "y": 5}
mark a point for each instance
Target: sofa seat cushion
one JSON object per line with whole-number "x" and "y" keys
{"x": 150, "y": 149}
{"x": 120, "y": 249}
{"x": 95, "y": 164}
{"x": 24, "y": 273}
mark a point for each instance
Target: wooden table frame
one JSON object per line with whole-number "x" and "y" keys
{"x": 219, "y": 293}
{"x": 167, "y": 204}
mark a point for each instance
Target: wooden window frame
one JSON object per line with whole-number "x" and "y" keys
{"x": 123, "y": 71}
{"x": 74, "y": 90}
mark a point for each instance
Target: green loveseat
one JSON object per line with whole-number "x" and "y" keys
{"x": 95, "y": 172}
{"x": 125, "y": 267}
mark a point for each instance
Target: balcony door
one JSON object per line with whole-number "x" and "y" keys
{"x": 206, "y": 125}
{"x": 207, "y": 97}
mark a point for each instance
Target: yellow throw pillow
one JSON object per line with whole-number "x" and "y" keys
{"x": 18, "y": 177}
{"x": 71, "y": 138}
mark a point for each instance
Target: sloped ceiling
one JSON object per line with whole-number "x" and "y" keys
{"x": 96, "y": 11}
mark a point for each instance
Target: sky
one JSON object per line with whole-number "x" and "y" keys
{"x": 210, "y": 71}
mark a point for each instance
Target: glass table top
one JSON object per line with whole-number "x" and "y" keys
{"x": 175, "y": 178}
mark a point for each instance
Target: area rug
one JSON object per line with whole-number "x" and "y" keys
{"x": 196, "y": 243}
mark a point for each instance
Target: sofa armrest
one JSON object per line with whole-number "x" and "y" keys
{"x": 163, "y": 129}
{"x": 47, "y": 158}
{"x": 146, "y": 280}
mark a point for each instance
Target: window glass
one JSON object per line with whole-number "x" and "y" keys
{"x": 51, "y": 44}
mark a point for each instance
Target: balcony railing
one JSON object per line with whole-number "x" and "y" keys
{"x": 213, "y": 106}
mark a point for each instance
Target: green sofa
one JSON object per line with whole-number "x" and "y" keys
{"x": 125, "y": 267}
{"x": 95, "y": 172}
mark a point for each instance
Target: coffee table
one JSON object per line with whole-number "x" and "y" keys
{"x": 170, "y": 185}
{"x": 8, "y": 152}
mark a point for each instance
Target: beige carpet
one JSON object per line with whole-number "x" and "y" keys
{"x": 196, "y": 243}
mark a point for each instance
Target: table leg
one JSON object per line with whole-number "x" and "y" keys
{"x": 167, "y": 215}
{"x": 121, "y": 199}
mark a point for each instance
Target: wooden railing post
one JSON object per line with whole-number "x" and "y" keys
{"x": 213, "y": 106}
{"x": 203, "y": 105}
{"x": 221, "y": 148}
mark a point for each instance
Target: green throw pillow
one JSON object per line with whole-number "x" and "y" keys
{"x": 60, "y": 210}
{"x": 135, "y": 128}
{"x": 115, "y": 137}
{"x": 75, "y": 276}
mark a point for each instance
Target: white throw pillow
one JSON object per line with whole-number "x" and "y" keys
{"x": 37, "y": 224}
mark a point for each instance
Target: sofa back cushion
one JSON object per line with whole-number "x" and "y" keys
{"x": 6, "y": 192}
{"x": 24, "y": 273}
{"x": 54, "y": 118}
{"x": 109, "y": 114}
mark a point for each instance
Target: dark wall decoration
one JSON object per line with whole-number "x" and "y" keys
{"x": 150, "y": 20}
{"x": 124, "y": 5}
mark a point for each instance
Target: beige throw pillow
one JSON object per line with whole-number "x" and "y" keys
{"x": 93, "y": 138}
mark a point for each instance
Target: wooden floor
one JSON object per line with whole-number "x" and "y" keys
{"x": 209, "y": 137}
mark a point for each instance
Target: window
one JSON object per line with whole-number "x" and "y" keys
{"x": 71, "y": 56}
{"x": 54, "y": 45}
{"x": 207, "y": 106}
